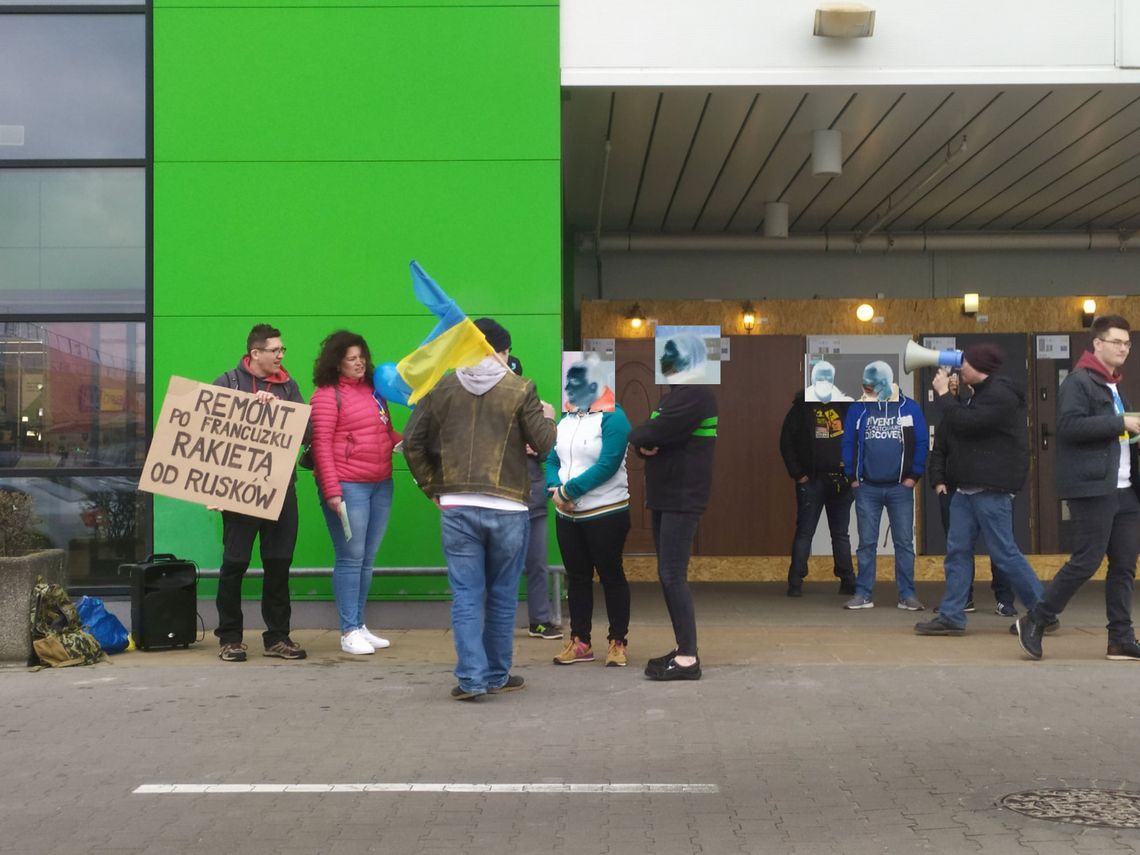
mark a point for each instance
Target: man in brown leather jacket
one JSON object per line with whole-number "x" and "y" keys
{"x": 465, "y": 445}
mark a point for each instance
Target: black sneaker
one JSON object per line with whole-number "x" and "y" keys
{"x": 938, "y": 626}
{"x": 1029, "y": 634}
{"x": 513, "y": 684}
{"x": 846, "y": 586}
{"x": 1005, "y": 610}
{"x": 545, "y": 630}
{"x": 463, "y": 695}
{"x": 970, "y": 607}
{"x": 659, "y": 661}
{"x": 1123, "y": 651}
{"x": 795, "y": 590}
{"x": 1050, "y": 628}
{"x": 672, "y": 671}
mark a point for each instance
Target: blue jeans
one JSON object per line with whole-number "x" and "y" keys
{"x": 369, "y": 506}
{"x": 485, "y": 550}
{"x": 991, "y": 513}
{"x": 870, "y": 499}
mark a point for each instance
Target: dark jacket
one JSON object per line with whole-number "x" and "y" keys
{"x": 906, "y": 423}
{"x": 460, "y": 442}
{"x": 811, "y": 439}
{"x": 986, "y": 442}
{"x": 1088, "y": 433}
{"x": 683, "y": 429}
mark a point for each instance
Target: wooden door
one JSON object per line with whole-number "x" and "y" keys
{"x": 752, "y": 508}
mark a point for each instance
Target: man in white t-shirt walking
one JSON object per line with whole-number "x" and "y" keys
{"x": 1097, "y": 475}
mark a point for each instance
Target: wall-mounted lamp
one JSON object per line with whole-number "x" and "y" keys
{"x": 865, "y": 312}
{"x": 1088, "y": 313}
{"x": 776, "y": 219}
{"x": 748, "y": 316}
{"x": 636, "y": 317}
{"x": 970, "y": 304}
{"x": 844, "y": 21}
{"x": 826, "y": 152}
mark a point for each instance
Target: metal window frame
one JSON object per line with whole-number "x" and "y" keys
{"x": 146, "y": 317}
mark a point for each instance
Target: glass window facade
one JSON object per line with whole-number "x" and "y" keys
{"x": 73, "y": 240}
{"x": 74, "y": 306}
{"x": 81, "y": 87}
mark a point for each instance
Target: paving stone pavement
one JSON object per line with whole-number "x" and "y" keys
{"x": 822, "y": 731}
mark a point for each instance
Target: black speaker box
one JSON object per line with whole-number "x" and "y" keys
{"x": 164, "y": 602}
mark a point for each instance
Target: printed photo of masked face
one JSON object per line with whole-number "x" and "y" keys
{"x": 587, "y": 383}
{"x": 683, "y": 359}
{"x": 823, "y": 388}
{"x": 879, "y": 383}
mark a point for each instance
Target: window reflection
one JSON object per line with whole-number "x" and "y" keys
{"x": 72, "y": 240}
{"x": 99, "y": 521}
{"x": 72, "y": 394}
{"x": 80, "y": 87}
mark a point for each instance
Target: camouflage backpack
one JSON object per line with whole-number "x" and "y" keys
{"x": 58, "y": 639}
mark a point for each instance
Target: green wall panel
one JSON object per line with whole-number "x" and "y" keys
{"x": 304, "y": 154}
{"x": 356, "y": 83}
{"x": 336, "y": 238}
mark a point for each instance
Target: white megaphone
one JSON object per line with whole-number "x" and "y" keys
{"x": 917, "y": 356}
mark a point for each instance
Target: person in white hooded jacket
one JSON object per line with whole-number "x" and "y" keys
{"x": 587, "y": 479}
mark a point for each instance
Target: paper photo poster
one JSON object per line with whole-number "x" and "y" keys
{"x": 851, "y": 376}
{"x": 823, "y": 385}
{"x": 687, "y": 354}
{"x": 588, "y": 381}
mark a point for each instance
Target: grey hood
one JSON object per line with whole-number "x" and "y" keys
{"x": 482, "y": 378}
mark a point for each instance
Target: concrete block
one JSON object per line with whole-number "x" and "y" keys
{"x": 17, "y": 576}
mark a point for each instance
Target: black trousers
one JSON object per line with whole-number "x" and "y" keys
{"x": 277, "y": 540}
{"x": 673, "y": 534}
{"x": 586, "y": 546}
{"x": 1102, "y": 525}
{"x": 813, "y": 497}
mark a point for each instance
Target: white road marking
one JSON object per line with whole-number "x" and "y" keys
{"x": 211, "y": 789}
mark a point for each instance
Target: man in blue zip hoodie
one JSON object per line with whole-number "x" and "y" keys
{"x": 884, "y": 450}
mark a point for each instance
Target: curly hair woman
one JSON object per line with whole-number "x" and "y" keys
{"x": 353, "y": 440}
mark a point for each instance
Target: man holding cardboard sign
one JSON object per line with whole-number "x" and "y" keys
{"x": 260, "y": 371}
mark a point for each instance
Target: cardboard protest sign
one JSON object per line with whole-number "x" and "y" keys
{"x": 223, "y": 448}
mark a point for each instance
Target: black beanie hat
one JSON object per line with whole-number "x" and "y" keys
{"x": 986, "y": 358}
{"x": 495, "y": 333}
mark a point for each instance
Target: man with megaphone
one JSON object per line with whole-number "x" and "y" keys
{"x": 989, "y": 465}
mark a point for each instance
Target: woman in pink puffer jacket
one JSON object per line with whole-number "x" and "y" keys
{"x": 353, "y": 440}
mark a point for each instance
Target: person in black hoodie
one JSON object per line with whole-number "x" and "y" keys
{"x": 259, "y": 371}
{"x": 989, "y": 463}
{"x": 811, "y": 443}
{"x": 1097, "y": 475}
{"x": 677, "y": 444}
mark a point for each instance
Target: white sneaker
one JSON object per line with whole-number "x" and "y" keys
{"x": 355, "y": 643}
{"x": 376, "y": 641}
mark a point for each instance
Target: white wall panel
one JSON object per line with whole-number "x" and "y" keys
{"x": 739, "y": 42}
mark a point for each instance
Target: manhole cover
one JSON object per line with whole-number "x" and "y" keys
{"x": 1106, "y": 808}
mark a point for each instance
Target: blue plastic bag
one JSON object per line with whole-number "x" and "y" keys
{"x": 107, "y": 629}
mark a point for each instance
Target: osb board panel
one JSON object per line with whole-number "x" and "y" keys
{"x": 606, "y": 319}
{"x": 774, "y": 568}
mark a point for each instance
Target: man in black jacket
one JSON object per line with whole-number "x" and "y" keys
{"x": 989, "y": 465}
{"x": 677, "y": 443}
{"x": 1097, "y": 475}
{"x": 811, "y": 443}
{"x": 260, "y": 371}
